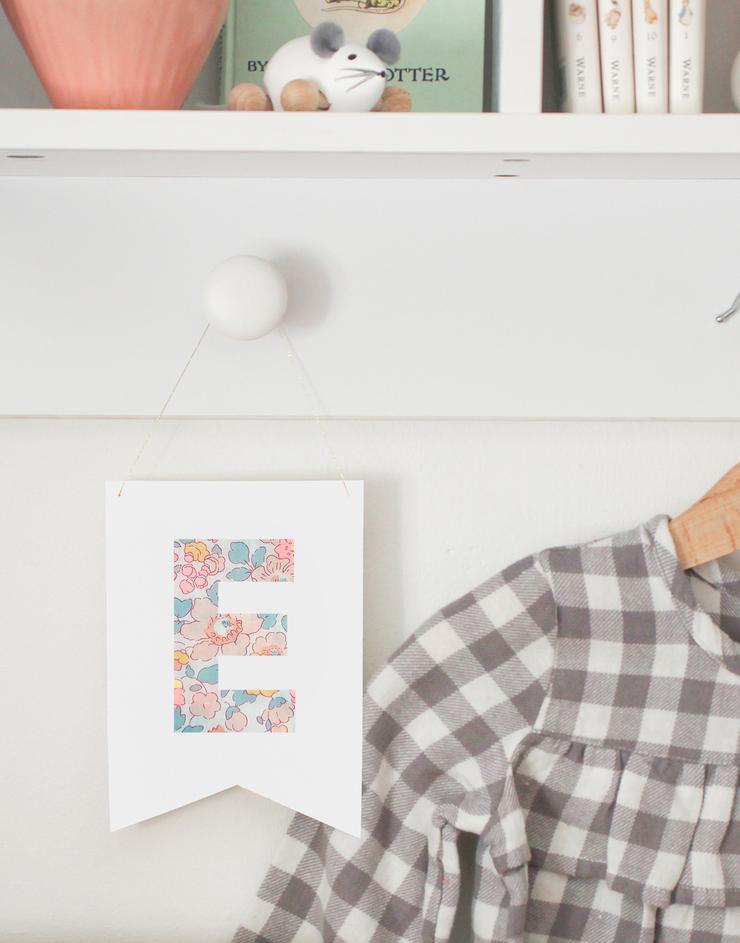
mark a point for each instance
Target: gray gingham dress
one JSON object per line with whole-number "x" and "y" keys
{"x": 580, "y": 714}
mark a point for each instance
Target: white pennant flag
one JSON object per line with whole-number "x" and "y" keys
{"x": 235, "y": 645}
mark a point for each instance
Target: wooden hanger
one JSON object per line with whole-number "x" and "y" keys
{"x": 710, "y": 528}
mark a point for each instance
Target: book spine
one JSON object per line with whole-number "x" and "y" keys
{"x": 228, "y": 56}
{"x": 617, "y": 61}
{"x": 578, "y": 51}
{"x": 519, "y": 55}
{"x": 688, "y": 40}
{"x": 650, "y": 31}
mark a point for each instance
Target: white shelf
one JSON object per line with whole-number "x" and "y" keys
{"x": 45, "y": 142}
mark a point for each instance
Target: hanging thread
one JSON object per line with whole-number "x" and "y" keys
{"x": 162, "y": 411}
{"x": 318, "y": 410}
{"x": 311, "y": 393}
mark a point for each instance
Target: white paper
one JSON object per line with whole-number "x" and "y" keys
{"x": 316, "y": 767}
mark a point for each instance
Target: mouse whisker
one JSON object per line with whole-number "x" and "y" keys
{"x": 360, "y": 81}
{"x": 358, "y": 84}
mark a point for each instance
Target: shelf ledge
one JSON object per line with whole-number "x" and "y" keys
{"x": 47, "y": 142}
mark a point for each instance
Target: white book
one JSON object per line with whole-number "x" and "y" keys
{"x": 688, "y": 40}
{"x": 520, "y": 31}
{"x": 578, "y": 51}
{"x": 650, "y": 31}
{"x": 617, "y": 61}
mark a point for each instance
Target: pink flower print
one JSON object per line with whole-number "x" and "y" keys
{"x": 224, "y": 635}
{"x": 201, "y": 614}
{"x": 205, "y": 705}
{"x": 216, "y": 634}
{"x": 179, "y": 694}
{"x": 191, "y": 579}
{"x": 196, "y": 574}
{"x": 278, "y": 715}
{"x": 272, "y": 570}
{"x": 285, "y": 550}
{"x": 214, "y": 563}
{"x": 217, "y": 729}
{"x": 274, "y": 643}
{"x": 237, "y": 722}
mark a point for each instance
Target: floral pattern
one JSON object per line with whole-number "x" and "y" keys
{"x": 202, "y": 634}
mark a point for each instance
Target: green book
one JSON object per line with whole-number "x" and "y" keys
{"x": 442, "y": 63}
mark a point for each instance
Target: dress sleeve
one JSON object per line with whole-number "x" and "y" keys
{"x": 441, "y": 721}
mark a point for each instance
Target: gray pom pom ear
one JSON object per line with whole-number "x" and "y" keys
{"x": 384, "y": 43}
{"x": 326, "y": 39}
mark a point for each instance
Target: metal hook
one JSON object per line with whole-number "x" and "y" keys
{"x": 731, "y": 311}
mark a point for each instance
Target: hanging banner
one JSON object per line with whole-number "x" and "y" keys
{"x": 235, "y": 609}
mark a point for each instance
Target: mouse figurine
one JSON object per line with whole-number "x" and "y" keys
{"x": 322, "y": 72}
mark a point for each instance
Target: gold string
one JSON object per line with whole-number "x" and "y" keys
{"x": 312, "y": 395}
{"x": 310, "y": 391}
{"x": 155, "y": 423}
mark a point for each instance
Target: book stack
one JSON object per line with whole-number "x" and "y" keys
{"x": 625, "y": 56}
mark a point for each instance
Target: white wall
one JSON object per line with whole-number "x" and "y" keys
{"x": 447, "y": 505}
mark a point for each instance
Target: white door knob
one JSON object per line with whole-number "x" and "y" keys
{"x": 246, "y": 297}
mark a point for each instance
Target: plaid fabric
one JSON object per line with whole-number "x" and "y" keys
{"x": 442, "y": 721}
{"x": 640, "y": 665}
{"x": 578, "y": 713}
{"x": 717, "y": 588}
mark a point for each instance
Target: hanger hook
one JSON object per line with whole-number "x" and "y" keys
{"x": 731, "y": 311}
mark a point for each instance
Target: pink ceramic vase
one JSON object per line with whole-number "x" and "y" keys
{"x": 117, "y": 53}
